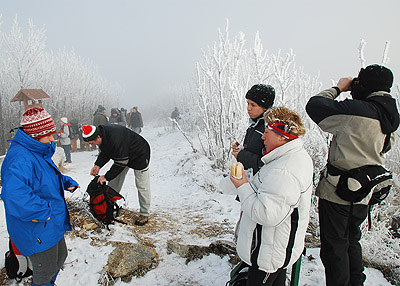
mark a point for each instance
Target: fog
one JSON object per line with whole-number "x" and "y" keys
{"x": 151, "y": 47}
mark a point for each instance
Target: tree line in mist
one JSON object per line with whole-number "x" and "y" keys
{"x": 73, "y": 83}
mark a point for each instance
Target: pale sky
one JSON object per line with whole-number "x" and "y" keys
{"x": 150, "y": 46}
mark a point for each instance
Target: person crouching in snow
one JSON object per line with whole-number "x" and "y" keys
{"x": 276, "y": 202}
{"x": 128, "y": 150}
{"x": 33, "y": 194}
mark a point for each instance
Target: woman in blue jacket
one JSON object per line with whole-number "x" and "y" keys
{"x": 33, "y": 194}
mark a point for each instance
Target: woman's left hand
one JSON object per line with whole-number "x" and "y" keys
{"x": 238, "y": 182}
{"x": 72, "y": 189}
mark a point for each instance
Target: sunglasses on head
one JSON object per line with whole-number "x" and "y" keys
{"x": 279, "y": 128}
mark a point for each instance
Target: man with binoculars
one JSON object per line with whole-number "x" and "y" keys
{"x": 363, "y": 131}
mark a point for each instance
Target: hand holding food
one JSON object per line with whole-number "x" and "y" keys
{"x": 237, "y": 170}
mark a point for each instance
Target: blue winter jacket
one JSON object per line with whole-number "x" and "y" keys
{"x": 33, "y": 191}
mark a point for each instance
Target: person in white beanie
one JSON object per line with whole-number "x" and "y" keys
{"x": 65, "y": 141}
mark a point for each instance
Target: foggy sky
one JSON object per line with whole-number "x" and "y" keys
{"x": 151, "y": 46}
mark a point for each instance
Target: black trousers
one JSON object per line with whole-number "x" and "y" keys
{"x": 341, "y": 251}
{"x": 260, "y": 278}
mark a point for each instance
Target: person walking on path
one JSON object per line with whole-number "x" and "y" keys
{"x": 175, "y": 116}
{"x": 33, "y": 194}
{"x": 363, "y": 130}
{"x": 128, "y": 150}
{"x": 135, "y": 120}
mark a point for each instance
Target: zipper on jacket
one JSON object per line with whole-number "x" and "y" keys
{"x": 266, "y": 278}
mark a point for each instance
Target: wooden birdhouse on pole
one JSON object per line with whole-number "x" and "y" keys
{"x": 30, "y": 97}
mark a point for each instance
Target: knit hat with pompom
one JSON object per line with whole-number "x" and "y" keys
{"x": 37, "y": 123}
{"x": 89, "y": 132}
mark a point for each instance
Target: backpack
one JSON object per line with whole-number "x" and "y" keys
{"x": 103, "y": 203}
{"x": 17, "y": 265}
{"x": 355, "y": 184}
{"x": 238, "y": 275}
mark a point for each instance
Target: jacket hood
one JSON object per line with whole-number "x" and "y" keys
{"x": 33, "y": 145}
{"x": 115, "y": 110}
{"x": 387, "y": 111}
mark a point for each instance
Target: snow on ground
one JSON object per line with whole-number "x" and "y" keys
{"x": 184, "y": 190}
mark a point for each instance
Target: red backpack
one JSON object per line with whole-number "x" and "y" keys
{"x": 103, "y": 203}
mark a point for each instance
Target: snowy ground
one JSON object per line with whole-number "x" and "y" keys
{"x": 184, "y": 189}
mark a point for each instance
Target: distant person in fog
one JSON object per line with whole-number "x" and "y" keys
{"x": 135, "y": 120}
{"x": 100, "y": 117}
{"x": 175, "y": 116}
{"x": 116, "y": 117}
{"x": 65, "y": 140}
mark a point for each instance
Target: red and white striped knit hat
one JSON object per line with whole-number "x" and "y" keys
{"x": 37, "y": 123}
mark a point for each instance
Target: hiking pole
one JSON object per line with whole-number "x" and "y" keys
{"x": 294, "y": 281}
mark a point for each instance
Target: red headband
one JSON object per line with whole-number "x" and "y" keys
{"x": 279, "y": 128}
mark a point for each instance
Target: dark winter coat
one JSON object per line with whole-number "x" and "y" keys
{"x": 135, "y": 120}
{"x": 362, "y": 133}
{"x": 125, "y": 147}
{"x": 119, "y": 119}
{"x": 99, "y": 118}
{"x": 175, "y": 114}
{"x": 253, "y": 145}
{"x": 33, "y": 191}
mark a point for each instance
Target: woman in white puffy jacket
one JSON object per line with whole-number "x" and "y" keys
{"x": 276, "y": 202}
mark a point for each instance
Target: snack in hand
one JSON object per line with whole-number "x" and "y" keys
{"x": 235, "y": 145}
{"x": 237, "y": 169}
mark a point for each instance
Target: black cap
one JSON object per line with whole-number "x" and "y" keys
{"x": 370, "y": 79}
{"x": 262, "y": 94}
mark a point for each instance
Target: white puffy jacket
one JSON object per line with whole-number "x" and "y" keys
{"x": 275, "y": 206}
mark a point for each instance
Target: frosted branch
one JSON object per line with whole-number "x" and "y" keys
{"x": 385, "y": 58}
{"x": 361, "y": 52}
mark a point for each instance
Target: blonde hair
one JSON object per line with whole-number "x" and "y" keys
{"x": 292, "y": 119}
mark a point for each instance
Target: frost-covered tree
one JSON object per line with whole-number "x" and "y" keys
{"x": 74, "y": 84}
{"x": 25, "y": 53}
{"x": 224, "y": 75}
{"x": 219, "y": 85}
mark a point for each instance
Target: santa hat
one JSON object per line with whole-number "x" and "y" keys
{"x": 64, "y": 120}
{"x": 89, "y": 132}
{"x": 37, "y": 123}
